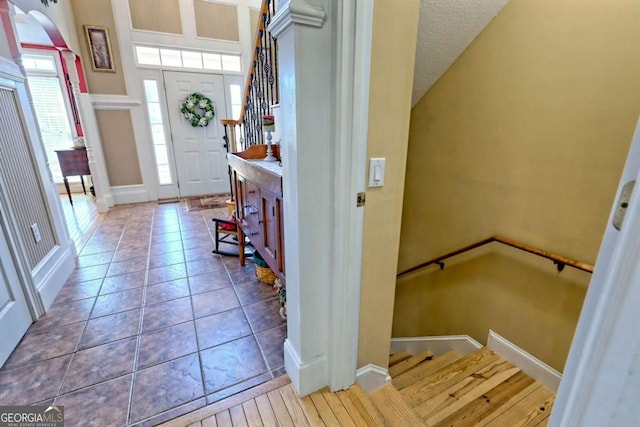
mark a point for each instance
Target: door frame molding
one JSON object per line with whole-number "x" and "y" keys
{"x": 601, "y": 381}
{"x": 158, "y": 76}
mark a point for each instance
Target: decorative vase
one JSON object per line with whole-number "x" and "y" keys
{"x": 270, "y": 157}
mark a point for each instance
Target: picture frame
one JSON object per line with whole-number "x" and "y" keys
{"x": 99, "y": 48}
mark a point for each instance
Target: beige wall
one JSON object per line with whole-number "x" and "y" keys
{"x": 120, "y": 153}
{"x": 99, "y": 13}
{"x": 393, "y": 51}
{"x": 525, "y": 136}
{"x": 519, "y": 296}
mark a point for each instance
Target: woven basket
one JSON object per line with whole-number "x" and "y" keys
{"x": 265, "y": 275}
{"x": 263, "y": 272}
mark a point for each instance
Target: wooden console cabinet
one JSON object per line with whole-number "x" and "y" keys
{"x": 259, "y": 209}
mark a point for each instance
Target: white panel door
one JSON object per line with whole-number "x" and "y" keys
{"x": 14, "y": 312}
{"x": 200, "y": 154}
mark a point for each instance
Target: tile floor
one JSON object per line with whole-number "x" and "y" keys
{"x": 150, "y": 325}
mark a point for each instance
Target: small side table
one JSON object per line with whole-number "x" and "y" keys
{"x": 73, "y": 163}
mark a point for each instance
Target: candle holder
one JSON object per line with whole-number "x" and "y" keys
{"x": 270, "y": 157}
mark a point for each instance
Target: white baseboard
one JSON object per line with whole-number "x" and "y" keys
{"x": 307, "y": 376}
{"x": 535, "y": 368}
{"x": 461, "y": 344}
{"x": 52, "y": 273}
{"x": 104, "y": 203}
{"x": 125, "y": 194}
{"x": 371, "y": 377}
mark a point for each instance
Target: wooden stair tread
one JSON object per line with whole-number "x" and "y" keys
{"x": 341, "y": 413}
{"x": 311, "y": 412}
{"x": 493, "y": 403}
{"x": 399, "y": 357}
{"x": 324, "y": 411}
{"x": 409, "y": 363}
{"x": 456, "y": 396}
{"x": 365, "y": 406}
{"x": 426, "y": 387}
{"x": 393, "y": 408}
{"x": 530, "y": 411}
{"x": 499, "y": 400}
{"x": 424, "y": 369}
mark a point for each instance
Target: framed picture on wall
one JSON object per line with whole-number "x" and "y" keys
{"x": 99, "y": 48}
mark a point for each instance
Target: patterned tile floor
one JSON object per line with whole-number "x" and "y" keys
{"x": 150, "y": 325}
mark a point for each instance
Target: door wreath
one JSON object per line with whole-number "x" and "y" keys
{"x": 203, "y": 115}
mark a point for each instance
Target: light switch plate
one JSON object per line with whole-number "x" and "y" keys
{"x": 376, "y": 171}
{"x": 36, "y": 232}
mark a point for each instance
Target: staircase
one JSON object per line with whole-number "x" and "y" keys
{"x": 479, "y": 389}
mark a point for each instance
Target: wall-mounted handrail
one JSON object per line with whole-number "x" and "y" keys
{"x": 559, "y": 260}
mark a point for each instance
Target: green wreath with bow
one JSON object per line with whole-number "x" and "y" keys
{"x": 190, "y": 106}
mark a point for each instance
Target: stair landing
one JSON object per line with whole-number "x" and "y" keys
{"x": 479, "y": 389}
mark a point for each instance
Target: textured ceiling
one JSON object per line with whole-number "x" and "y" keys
{"x": 446, "y": 28}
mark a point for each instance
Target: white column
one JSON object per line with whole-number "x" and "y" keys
{"x": 323, "y": 105}
{"x": 304, "y": 49}
{"x": 88, "y": 121}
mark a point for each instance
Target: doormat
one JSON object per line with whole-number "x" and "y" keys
{"x": 210, "y": 201}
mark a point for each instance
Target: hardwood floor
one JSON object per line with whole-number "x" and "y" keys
{"x": 82, "y": 217}
{"x": 479, "y": 389}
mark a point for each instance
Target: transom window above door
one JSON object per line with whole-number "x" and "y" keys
{"x": 180, "y": 58}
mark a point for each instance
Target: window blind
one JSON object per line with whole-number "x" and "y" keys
{"x": 52, "y": 119}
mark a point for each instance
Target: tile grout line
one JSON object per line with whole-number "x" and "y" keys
{"x": 195, "y": 327}
{"x": 77, "y": 346}
{"x": 151, "y": 417}
{"x": 141, "y": 318}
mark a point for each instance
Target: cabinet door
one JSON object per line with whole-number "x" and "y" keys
{"x": 252, "y": 214}
{"x": 269, "y": 228}
{"x": 279, "y": 221}
{"x": 241, "y": 199}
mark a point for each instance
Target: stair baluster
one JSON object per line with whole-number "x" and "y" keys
{"x": 261, "y": 89}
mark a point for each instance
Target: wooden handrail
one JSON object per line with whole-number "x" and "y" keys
{"x": 261, "y": 89}
{"x": 559, "y": 260}
{"x": 254, "y": 60}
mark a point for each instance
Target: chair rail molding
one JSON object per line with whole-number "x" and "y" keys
{"x": 114, "y": 102}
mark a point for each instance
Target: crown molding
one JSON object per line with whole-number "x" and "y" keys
{"x": 299, "y": 12}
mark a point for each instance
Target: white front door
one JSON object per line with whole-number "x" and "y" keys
{"x": 199, "y": 152}
{"x": 14, "y": 312}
